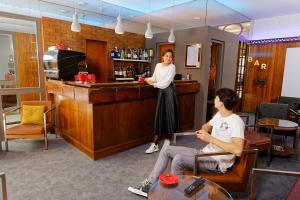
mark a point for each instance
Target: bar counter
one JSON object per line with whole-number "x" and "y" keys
{"x": 101, "y": 119}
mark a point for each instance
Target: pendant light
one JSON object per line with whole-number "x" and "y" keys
{"x": 75, "y": 26}
{"x": 119, "y": 29}
{"x": 119, "y": 26}
{"x": 149, "y": 33}
{"x": 171, "y": 38}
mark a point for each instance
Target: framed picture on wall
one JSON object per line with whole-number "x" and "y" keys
{"x": 193, "y": 54}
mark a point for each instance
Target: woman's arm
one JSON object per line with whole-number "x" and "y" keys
{"x": 164, "y": 83}
{"x": 151, "y": 80}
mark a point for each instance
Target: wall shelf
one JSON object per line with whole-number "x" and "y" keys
{"x": 131, "y": 60}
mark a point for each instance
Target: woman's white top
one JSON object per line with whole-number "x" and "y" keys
{"x": 163, "y": 75}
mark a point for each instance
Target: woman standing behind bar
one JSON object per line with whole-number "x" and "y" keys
{"x": 167, "y": 114}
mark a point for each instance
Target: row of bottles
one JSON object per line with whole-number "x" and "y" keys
{"x": 131, "y": 71}
{"x": 134, "y": 54}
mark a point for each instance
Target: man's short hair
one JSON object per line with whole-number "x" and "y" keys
{"x": 228, "y": 97}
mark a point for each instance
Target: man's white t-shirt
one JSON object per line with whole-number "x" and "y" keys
{"x": 224, "y": 129}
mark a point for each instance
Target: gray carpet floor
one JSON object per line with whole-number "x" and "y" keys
{"x": 64, "y": 173}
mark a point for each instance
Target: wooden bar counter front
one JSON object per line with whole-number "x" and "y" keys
{"x": 101, "y": 119}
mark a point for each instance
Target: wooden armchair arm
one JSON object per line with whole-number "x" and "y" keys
{"x": 12, "y": 110}
{"x": 196, "y": 164}
{"x": 3, "y": 183}
{"x": 4, "y": 117}
{"x": 50, "y": 110}
{"x": 267, "y": 171}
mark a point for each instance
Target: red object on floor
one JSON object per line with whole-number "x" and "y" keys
{"x": 168, "y": 179}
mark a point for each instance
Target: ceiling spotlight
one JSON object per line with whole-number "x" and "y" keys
{"x": 82, "y": 3}
{"x": 119, "y": 27}
{"x": 171, "y": 38}
{"x": 149, "y": 33}
{"x": 64, "y": 11}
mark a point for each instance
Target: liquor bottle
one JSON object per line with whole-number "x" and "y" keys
{"x": 141, "y": 54}
{"x": 116, "y": 72}
{"x": 124, "y": 72}
{"x": 146, "y": 54}
{"x": 135, "y": 56}
{"x": 123, "y": 54}
{"x": 129, "y": 54}
{"x": 120, "y": 72}
{"x": 112, "y": 53}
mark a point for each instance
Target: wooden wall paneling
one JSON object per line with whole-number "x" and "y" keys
{"x": 58, "y": 31}
{"x": 273, "y": 55}
{"x": 27, "y": 63}
{"x": 76, "y": 123}
{"x": 186, "y": 111}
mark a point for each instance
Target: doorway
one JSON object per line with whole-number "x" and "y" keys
{"x": 162, "y": 48}
{"x": 215, "y": 75}
{"x": 96, "y": 57}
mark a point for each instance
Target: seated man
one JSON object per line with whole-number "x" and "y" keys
{"x": 227, "y": 134}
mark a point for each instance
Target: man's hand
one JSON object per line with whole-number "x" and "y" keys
{"x": 203, "y": 135}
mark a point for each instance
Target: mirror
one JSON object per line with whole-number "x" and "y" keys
{"x": 193, "y": 54}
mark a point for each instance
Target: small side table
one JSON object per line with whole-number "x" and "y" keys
{"x": 209, "y": 190}
{"x": 281, "y": 125}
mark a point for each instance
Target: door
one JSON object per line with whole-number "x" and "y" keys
{"x": 215, "y": 76}
{"x": 163, "y": 48}
{"x": 96, "y": 57}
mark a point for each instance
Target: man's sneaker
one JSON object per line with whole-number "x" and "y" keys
{"x": 141, "y": 189}
{"x": 153, "y": 148}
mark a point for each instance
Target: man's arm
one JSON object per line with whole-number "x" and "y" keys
{"x": 206, "y": 127}
{"x": 235, "y": 147}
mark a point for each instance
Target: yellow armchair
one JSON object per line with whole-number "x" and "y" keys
{"x": 30, "y": 130}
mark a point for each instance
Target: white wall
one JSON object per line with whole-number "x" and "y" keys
{"x": 275, "y": 27}
{"x": 291, "y": 74}
{"x": 4, "y": 53}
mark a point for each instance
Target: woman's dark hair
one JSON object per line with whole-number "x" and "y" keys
{"x": 168, "y": 51}
{"x": 228, "y": 97}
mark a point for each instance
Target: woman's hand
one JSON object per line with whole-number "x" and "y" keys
{"x": 204, "y": 136}
{"x": 150, "y": 81}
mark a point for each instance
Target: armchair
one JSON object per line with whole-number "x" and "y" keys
{"x": 294, "y": 106}
{"x": 294, "y": 193}
{"x": 234, "y": 180}
{"x": 30, "y": 130}
{"x": 3, "y": 185}
{"x": 272, "y": 110}
{"x": 255, "y": 138}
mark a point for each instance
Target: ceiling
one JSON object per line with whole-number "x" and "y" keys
{"x": 180, "y": 14}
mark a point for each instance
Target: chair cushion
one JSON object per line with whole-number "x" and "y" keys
{"x": 21, "y": 130}
{"x": 258, "y": 140}
{"x": 32, "y": 114}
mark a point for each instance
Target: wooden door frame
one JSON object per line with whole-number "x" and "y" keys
{"x": 220, "y": 62}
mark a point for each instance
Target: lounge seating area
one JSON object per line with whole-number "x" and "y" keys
{"x": 62, "y": 172}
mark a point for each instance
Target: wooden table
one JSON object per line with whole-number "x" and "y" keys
{"x": 280, "y": 125}
{"x": 209, "y": 190}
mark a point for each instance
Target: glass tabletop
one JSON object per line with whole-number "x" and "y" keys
{"x": 209, "y": 190}
{"x": 277, "y": 123}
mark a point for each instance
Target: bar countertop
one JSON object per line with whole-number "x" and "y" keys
{"x": 115, "y": 84}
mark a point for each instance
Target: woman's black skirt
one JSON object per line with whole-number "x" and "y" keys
{"x": 167, "y": 112}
